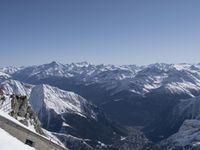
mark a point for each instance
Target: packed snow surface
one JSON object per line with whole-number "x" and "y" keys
{"x": 8, "y": 142}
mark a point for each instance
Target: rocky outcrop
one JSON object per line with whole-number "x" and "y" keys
{"x": 21, "y": 111}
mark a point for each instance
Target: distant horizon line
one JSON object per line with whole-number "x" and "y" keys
{"x": 97, "y": 64}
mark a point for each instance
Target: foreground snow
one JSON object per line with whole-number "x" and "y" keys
{"x": 31, "y": 129}
{"x": 6, "y": 139}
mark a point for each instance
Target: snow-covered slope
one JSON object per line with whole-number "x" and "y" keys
{"x": 187, "y": 138}
{"x": 8, "y": 142}
{"x": 16, "y": 87}
{"x": 5, "y": 103}
{"x": 3, "y": 76}
{"x": 10, "y": 70}
{"x": 72, "y": 119}
{"x": 57, "y": 100}
{"x": 168, "y": 78}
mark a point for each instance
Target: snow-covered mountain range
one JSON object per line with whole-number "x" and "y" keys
{"x": 157, "y": 97}
{"x": 173, "y": 78}
{"x": 63, "y": 114}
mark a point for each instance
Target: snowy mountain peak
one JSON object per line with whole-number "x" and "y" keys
{"x": 4, "y": 76}
{"x": 55, "y": 99}
{"x": 10, "y": 70}
{"x": 161, "y": 66}
{"x": 81, "y": 64}
{"x": 182, "y": 66}
{"x": 54, "y": 64}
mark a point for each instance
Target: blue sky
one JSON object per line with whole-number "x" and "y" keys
{"x": 99, "y": 31}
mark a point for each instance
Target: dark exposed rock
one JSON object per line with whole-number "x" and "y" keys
{"x": 24, "y": 113}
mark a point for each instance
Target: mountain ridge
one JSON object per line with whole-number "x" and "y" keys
{"x": 147, "y": 97}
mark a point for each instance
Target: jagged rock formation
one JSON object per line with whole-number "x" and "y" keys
{"x": 18, "y": 108}
{"x": 23, "y": 112}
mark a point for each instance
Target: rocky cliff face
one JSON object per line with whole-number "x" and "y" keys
{"x": 18, "y": 107}
{"x": 24, "y": 113}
